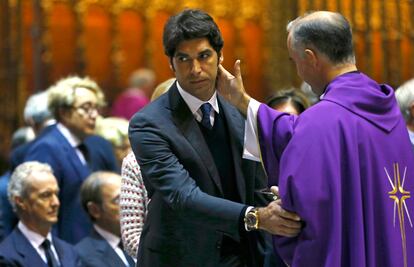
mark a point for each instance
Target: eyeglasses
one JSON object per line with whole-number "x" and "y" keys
{"x": 88, "y": 109}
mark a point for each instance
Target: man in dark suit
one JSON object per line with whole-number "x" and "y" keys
{"x": 189, "y": 144}
{"x": 33, "y": 193}
{"x": 74, "y": 103}
{"x": 100, "y": 198}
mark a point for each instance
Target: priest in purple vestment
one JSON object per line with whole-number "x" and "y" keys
{"x": 344, "y": 166}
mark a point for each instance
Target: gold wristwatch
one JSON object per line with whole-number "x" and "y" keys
{"x": 252, "y": 219}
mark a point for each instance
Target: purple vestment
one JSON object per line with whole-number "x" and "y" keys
{"x": 346, "y": 167}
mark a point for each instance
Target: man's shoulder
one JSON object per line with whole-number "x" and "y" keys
{"x": 62, "y": 243}
{"x": 96, "y": 140}
{"x": 51, "y": 137}
{"x": 90, "y": 242}
{"x": 9, "y": 242}
{"x": 157, "y": 110}
{"x": 85, "y": 247}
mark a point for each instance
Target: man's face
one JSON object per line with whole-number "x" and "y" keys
{"x": 81, "y": 117}
{"x": 298, "y": 59}
{"x": 287, "y": 108}
{"x": 305, "y": 68}
{"x": 41, "y": 204}
{"x": 108, "y": 217}
{"x": 195, "y": 65}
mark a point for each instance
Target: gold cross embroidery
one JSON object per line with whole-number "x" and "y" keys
{"x": 399, "y": 195}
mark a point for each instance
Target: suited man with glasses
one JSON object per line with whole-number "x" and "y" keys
{"x": 72, "y": 149}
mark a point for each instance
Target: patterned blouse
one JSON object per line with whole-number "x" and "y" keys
{"x": 133, "y": 204}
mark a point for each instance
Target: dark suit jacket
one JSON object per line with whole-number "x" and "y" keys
{"x": 8, "y": 219}
{"x": 95, "y": 251}
{"x": 103, "y": 157}
{"x": 188, "y": 216}
{"x": 16, "y": 250}
{"x": 54, "y": 149}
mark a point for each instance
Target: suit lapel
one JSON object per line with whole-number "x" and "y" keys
{"x": 71, "y": 156}
{"x": 185, "y": 121}
{"x": 60, "y": 251}
{"x": 235, "y": 127}
{"x": 26, "y": 250}
{"x": 105, "y": 250}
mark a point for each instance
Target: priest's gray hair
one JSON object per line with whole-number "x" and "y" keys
{"x": 328, "y": 32}
{"x": 405, "y": 98}
{"x": 20, "y": 180}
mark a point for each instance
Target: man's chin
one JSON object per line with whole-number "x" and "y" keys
{"x": 53, "y": 220}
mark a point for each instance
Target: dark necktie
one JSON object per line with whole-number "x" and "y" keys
{"x": 131, "y": 262}
{"x": 205, "y": 120}
{"x": 51, "y": 260}
{"x": 82, "y": 148}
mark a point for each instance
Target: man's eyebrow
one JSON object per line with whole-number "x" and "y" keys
{"x": 181, "y": 54}
{"x": 205, "y": 51}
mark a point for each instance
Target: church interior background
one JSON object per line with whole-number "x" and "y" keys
{"x": 44, "y": 40}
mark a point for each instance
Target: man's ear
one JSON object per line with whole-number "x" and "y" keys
{"x": 94, "y": 210}
{"x": 20, "y": 205}
{"x": 172, "y": 65}
{"x": 63, "y": 113}
{"x": 221, "y": 57}
{"x": 311, "y": 57}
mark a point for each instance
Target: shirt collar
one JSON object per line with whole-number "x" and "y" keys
{"x": 72, "y": 139}
{"x": 112, "y": 239}
{"x": 411, "y": 134}
{"x": 194, "y": 103}
{"x": 34, "y": 238}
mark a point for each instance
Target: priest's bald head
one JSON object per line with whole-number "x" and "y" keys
{"x": 320, "y": 43}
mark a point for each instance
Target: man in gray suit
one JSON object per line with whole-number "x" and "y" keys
{"x": 189, "y": 144}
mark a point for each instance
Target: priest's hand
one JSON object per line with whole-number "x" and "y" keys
{"x": 231, "y": 87}
{"x": 277, "y": 221}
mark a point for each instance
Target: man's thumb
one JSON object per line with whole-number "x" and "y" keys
{"x": 237, "y": 70}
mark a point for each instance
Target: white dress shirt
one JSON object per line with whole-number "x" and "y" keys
{"x": 251, "y": 148}
{"x": 194, "y": 104}
{"x": 113, "y": 241}
{"x": 36, "y": 241}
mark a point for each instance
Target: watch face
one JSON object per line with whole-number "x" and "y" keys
{"x": 250, "y": 220}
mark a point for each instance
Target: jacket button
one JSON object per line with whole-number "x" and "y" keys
{"x": 218, "y": 244}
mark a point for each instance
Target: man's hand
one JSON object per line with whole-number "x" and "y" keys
{"x": 231, "y": 87}
{"x": 277, "y": 221}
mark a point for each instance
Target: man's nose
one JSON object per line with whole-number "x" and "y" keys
{"x": 55, "y": 201}
{"x": 196, "y": 67}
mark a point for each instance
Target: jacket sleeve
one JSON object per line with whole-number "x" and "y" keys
{"x": 166, "y": 176}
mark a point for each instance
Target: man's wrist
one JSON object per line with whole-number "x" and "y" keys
{"x": 251, "y": 219}
{"x": 244, "y": 104}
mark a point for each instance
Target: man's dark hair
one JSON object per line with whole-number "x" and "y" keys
{"x": 90, "y": 190}
{"x": 330, "y": 35}
{"x": 298, "y": 100}
{"x": 191, "y": 24}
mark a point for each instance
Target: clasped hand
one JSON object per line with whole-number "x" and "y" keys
{"x": 277, "y": 221}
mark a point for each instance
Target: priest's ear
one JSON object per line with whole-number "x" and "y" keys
{"x": 311, "y": 57}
